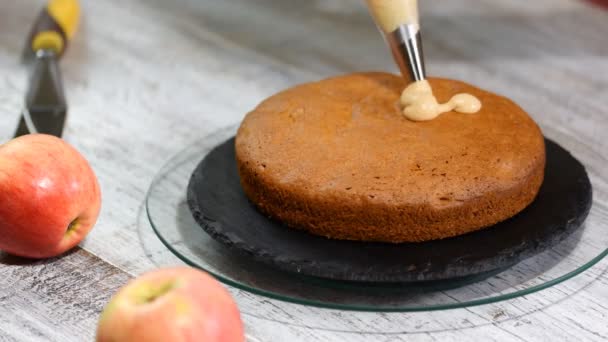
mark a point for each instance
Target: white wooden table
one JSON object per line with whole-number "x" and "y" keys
{"x": 146, "y": 77}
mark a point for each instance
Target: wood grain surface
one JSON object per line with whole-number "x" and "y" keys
{"x": 146, "y": 77}
{"x": 57, "y": 299}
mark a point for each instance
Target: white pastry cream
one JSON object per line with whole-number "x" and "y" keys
{"x": 419, "y": 103}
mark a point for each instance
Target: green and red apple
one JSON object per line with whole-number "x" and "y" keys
{"x": 174, "y": 304}
{"x": 49, "y": 196}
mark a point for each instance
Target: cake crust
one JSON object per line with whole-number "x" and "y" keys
{"x": 337, "y": 158}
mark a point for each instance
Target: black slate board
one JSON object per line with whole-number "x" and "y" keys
{"x": 219, "y": 205}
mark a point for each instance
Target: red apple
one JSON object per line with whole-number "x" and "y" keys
{"x": 175, "y": 304}
{"x": 49, "y": 196}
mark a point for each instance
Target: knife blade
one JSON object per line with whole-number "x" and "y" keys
{"x": 45, "y": 107}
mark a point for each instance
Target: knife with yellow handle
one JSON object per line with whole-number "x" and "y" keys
{"x": 45, "y": 105}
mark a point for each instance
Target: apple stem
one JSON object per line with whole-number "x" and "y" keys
{"x": 72, "y": 227}
{"x": 155, "y": 293}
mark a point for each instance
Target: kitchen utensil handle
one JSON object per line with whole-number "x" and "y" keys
{"x": 56, "y": 26}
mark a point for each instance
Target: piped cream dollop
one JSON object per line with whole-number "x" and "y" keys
{"x": 419, "y": 103}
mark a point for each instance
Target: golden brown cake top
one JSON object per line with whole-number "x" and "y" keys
{"x": 347, "y": 136}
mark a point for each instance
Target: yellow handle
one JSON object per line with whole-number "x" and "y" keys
{"x": 66, "y": 14}
{"x": 56, "y": 25}
{"x": 48, "y": 40}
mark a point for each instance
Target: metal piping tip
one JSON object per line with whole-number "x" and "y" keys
{"x": 406, "y": 47}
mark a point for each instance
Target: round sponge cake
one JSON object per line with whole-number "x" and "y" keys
{"x": 337, "y": 158}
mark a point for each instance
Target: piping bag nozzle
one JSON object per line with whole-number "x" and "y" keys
{"x": 405, "y": 44}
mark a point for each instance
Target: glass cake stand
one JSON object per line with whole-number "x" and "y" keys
{"x": 172, "y": 222}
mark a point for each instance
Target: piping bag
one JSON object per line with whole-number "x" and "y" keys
{"x": 399, "y": 23}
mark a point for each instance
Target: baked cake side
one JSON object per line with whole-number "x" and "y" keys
{"x": 336, "y": 158}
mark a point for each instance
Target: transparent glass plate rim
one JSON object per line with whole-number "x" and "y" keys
{"x": 335, "y": 306}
